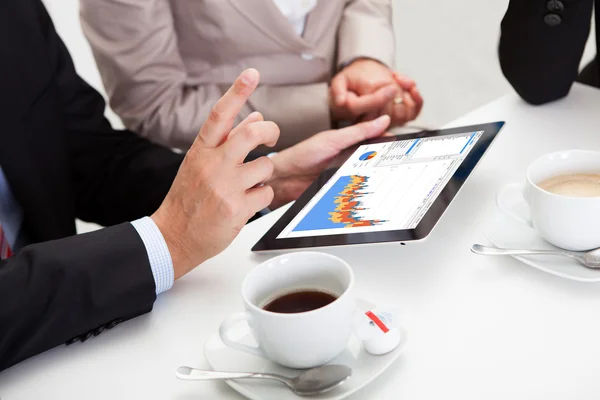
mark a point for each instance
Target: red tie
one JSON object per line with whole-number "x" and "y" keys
{"x": 5, "y": 251}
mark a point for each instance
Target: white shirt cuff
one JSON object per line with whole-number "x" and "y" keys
{"x": 158, "y": 253}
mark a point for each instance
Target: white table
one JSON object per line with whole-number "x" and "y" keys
{"x": 479, "y": 328}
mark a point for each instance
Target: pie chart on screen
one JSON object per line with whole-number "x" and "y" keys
{"x": 368, "y": 156}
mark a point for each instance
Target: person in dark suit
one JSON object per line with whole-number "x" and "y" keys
{"x": 541, "y": 45}
{"x": 61, "y": 160}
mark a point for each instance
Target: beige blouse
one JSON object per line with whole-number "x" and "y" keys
{"x": 165, "y": 63}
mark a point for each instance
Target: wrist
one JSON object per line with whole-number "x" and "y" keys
{"x": 182, "y": 263}
{"x": 359, "y": 59}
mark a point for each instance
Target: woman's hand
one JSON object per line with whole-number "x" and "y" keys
{"x": 367, "y": 89}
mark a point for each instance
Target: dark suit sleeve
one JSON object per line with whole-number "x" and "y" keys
{"x": 55, "y": 291}
{"x": 540, "y": 61}
{"x": 118, "y": 176}
{"x": 75, "y": 287}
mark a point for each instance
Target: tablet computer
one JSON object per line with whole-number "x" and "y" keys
{"x": 389, "y": 189}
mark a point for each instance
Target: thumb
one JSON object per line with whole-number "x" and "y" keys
{"x": 375, "y": 128}
{"x": 346, "y": 137}
{"x": 339, "y": 89}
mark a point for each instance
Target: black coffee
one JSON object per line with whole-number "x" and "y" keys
{"x": 300, "y": 301}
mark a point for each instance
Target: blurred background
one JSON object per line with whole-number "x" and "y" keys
{"x": 448, "y": 47}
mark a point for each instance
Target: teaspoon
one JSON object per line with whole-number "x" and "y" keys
{"x": 591, "y": 259}
{"x": 308, "y": 383}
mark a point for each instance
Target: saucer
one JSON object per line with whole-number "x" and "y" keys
{"x": 365, "y": 367}
{"x": 506, "y": 232}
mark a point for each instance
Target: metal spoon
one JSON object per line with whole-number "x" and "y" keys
{"x": 590, "y": 259}
{"x": 308, "y": 383}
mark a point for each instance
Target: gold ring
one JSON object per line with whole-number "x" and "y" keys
{"x": 399, "y": 100}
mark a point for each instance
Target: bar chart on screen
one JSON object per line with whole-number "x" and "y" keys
{"x": 343, "y": 206}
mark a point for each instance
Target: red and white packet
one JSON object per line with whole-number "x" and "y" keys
{"x": 379, "y": 331}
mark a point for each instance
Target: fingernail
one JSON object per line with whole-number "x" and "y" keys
{"x": 255, "y": 116}
{"x": 382, "y": 122}
{"x": 249, "y": 76}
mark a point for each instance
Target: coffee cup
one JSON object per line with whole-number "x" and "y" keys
{"x": 321, "y": 285}
{"x": 563, "y": 195}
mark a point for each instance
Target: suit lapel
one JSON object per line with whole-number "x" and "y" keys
{"x": 325, "y": 13}
{"x": 265, "y": 16}
{"x": 319, "y": 20}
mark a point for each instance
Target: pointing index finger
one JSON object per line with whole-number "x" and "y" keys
{"x": 222, "y": 116}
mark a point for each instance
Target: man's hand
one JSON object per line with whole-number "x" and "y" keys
{"x": 298, "y": 166}
{"x": 215, "y": 193}
{"x": 367, "y": 89}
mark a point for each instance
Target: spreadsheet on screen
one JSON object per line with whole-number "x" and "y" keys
{"x": 383, "y": 186}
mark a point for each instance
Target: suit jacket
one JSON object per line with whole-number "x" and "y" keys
{"x": 63, "y": 160}
{"x": 166, "y": 62}
{"x": 541, "y": 46}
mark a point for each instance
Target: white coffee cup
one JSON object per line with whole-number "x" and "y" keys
{"x": 571, "y": 223}
{"x": 301, "y": 340}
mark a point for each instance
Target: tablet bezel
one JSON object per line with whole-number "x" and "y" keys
{"x": 269, "y": 241}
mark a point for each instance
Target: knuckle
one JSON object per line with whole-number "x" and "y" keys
{"x": 369, "y": 84}
{"x": 352, "y": 108}
{"x": 253, "y": 132}
{"x": 269, "y": 195}
{"x": 381, "y": 98}
{"x": 263, "y": 199}
{"x": 267, "y": 166}
{"x": 191, "y": 156}
{"x": 230, "y": 208}
{"x": 214, "y": 162}
{"x": 332, "y": 92}
{"x": 261, "y": 169}
{"x": 398, "y": 112}
{"x": 337, "y": 84}
{"x": 205, "y": 162}
{"x": 220, "y": 187}
{"x": 218, "y": 193}
{"x": 238, "y": 87}
{"x": 215, "y": 115}
{"x": 274, "y": 130}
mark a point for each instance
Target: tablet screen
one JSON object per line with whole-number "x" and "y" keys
{"x": 383, "y": 186}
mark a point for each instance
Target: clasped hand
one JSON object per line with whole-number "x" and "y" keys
{"x": 215, "y": 192}
{"x": 367, "y": 89}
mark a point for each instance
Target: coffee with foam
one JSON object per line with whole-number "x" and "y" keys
{"x": 573, "y": 185}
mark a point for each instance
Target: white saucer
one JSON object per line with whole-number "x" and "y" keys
{"x": 365, "y": 367}
{"x": 506, "y": 232}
